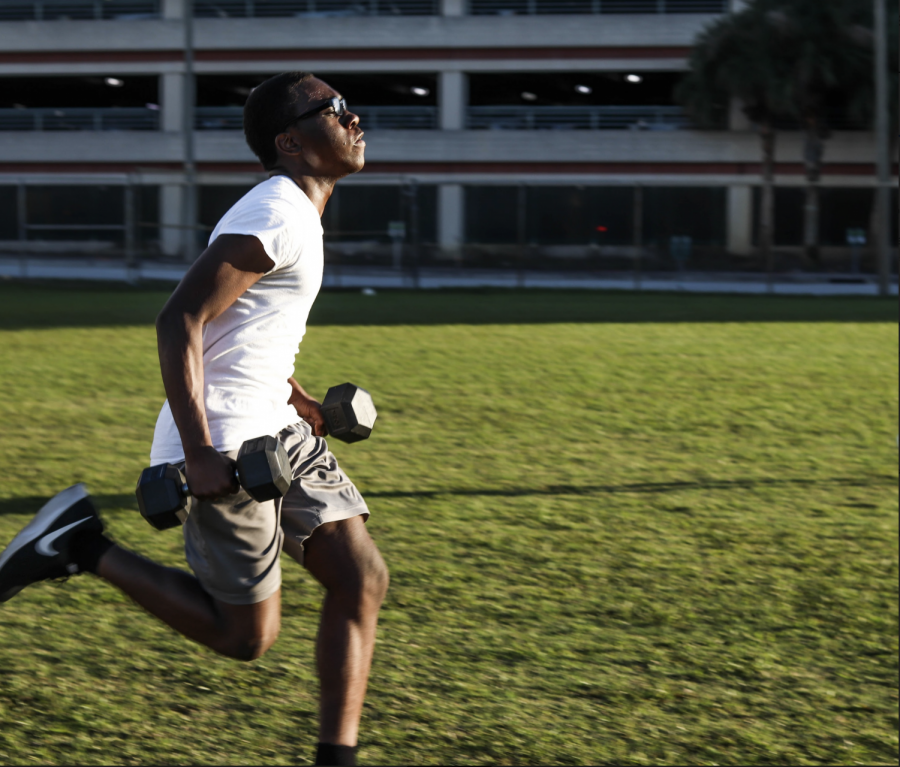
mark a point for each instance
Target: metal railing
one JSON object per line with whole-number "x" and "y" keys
{"x": 371, "y": 118}
{"x": 532, "y": 7}
{"x": 50, "y": 10}
{"x": 577, "y": 118}
{"x": 314, "y": 8}
{"x": 653, "y": 118}
{"x": 46, "y": 10}
{"x": 82, "y": 119}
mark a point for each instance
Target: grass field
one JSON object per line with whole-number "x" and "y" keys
{"x": 622, "y": 529}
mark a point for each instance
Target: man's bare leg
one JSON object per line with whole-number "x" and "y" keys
{"x": 346, "y": 561}
{"x": 243, "y": 632}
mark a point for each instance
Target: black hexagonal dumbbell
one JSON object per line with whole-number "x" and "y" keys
{"x": 262, "y": 469}
{"x": 349, "y": 412}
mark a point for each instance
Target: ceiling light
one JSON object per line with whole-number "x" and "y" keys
{"x": 115, "y": 82}
{"x": 585, "y": 89}
{"x": 529, "y": 96}
{"x": 416, "y": 91}
{"x": 152, "y": 107}
{"x": 634, "y": 78}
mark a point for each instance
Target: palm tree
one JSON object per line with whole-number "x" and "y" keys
{"x": 827, "y": 66}
{"x": 861, "y": 104}
{"x": 789, "y": 59}
{"x": 738, "y": 57}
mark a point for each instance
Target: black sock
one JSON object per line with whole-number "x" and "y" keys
{"x": 87, "y": 548}
{"x": 335, "y": 756}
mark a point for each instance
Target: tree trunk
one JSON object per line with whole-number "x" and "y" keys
{"x": 767, "y": 204}
{"x": 812, "y": 157}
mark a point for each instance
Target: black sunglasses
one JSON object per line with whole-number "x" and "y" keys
{"x": 339, "y": 106}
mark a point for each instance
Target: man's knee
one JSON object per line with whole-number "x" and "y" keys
{"x": 365, "y": 585}
{"x": 377, "y": 580}
{"x": 250, "y": 644}
{"x": 248, "y": 631}
{"x": 346, "y": 561}
{"x": 251, "y": 648}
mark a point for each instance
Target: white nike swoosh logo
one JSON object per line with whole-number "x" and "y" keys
{"x": 45, "y": 545}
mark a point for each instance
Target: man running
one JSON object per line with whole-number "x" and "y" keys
{"x": 227, "y": 340}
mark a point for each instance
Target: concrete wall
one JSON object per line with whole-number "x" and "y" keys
{"x": 492, "y": 33}
{"x": 567, "y": 147}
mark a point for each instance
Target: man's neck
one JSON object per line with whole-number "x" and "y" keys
{"x": 319, "y": 190}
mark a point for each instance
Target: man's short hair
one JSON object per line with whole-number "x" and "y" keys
{"x": 269, "y": 108}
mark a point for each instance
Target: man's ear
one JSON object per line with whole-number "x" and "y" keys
{"x": 286, "y": 143}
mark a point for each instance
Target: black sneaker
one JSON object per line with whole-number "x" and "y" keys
{"x": 42, "y": 550}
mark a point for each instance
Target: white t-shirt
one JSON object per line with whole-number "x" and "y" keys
{"x": 249, "y": 349}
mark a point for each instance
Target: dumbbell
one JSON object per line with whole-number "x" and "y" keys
{"x": 262, "y": 469}
{"x": 349, "y": 412}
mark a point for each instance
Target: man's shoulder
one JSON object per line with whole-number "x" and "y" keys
{"x": 281, "y": 196}
{"x": 272, "y": 192}
{"x": 274, "y": 201}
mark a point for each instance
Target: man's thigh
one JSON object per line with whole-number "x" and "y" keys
{"x": 233, "y": 546}
{"x": 320, "y": 492}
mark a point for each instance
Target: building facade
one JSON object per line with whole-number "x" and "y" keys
{"x": 499, "y": 132}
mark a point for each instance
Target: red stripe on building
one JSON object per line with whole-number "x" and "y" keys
{"x": 612, "y": 168}
{"x": 100, "y": 57}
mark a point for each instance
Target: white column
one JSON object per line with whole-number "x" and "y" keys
{"x": 173, "y": 9}
{"x": 453, "y": 97}
{"x": 737, "y": 120}
{"x": 740, "y": 220}
{"x": 170, "y": 219}
{"x": 171, "y": 101}
{"x": 451, "y": 219}
{"x": 453, "y": 8}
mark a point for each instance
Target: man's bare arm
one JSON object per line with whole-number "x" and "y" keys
{"x": 216, "y": 280}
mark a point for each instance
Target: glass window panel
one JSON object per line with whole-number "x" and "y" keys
{"x": 843, "y": 209}
{"x": 840, "y": 209}
{"x": 9, "y": 227}
{"x": 215, "y": 201}
{"x": 365, "y": 212}
{"x": 695, "y": 212}
{"x": 74, "y": 205}
{"x": 580, "y": 215}
{"x": 788, "y": 215}
{"x": 147, "y": 206}
{"x": 491, "y": 214}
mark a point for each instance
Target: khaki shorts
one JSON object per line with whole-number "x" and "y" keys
{"x": 234, "y": 544}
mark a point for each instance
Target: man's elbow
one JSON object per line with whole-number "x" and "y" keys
{"x": 171, "y": 321}
{"x": 164, "y": 320}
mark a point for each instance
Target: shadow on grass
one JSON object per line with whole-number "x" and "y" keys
{"x": 103, "y": 501}
{"x": 25, "y": 305}
{"x": 30, "y": 504}
{"x": 642, "y": 487}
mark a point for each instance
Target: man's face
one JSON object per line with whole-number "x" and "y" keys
{"x": 331, "y": 146}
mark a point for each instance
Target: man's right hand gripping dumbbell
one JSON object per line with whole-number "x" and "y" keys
{"x": 262, "y": 468}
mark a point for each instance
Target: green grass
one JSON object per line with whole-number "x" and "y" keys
{"x": 621, "y": 529}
